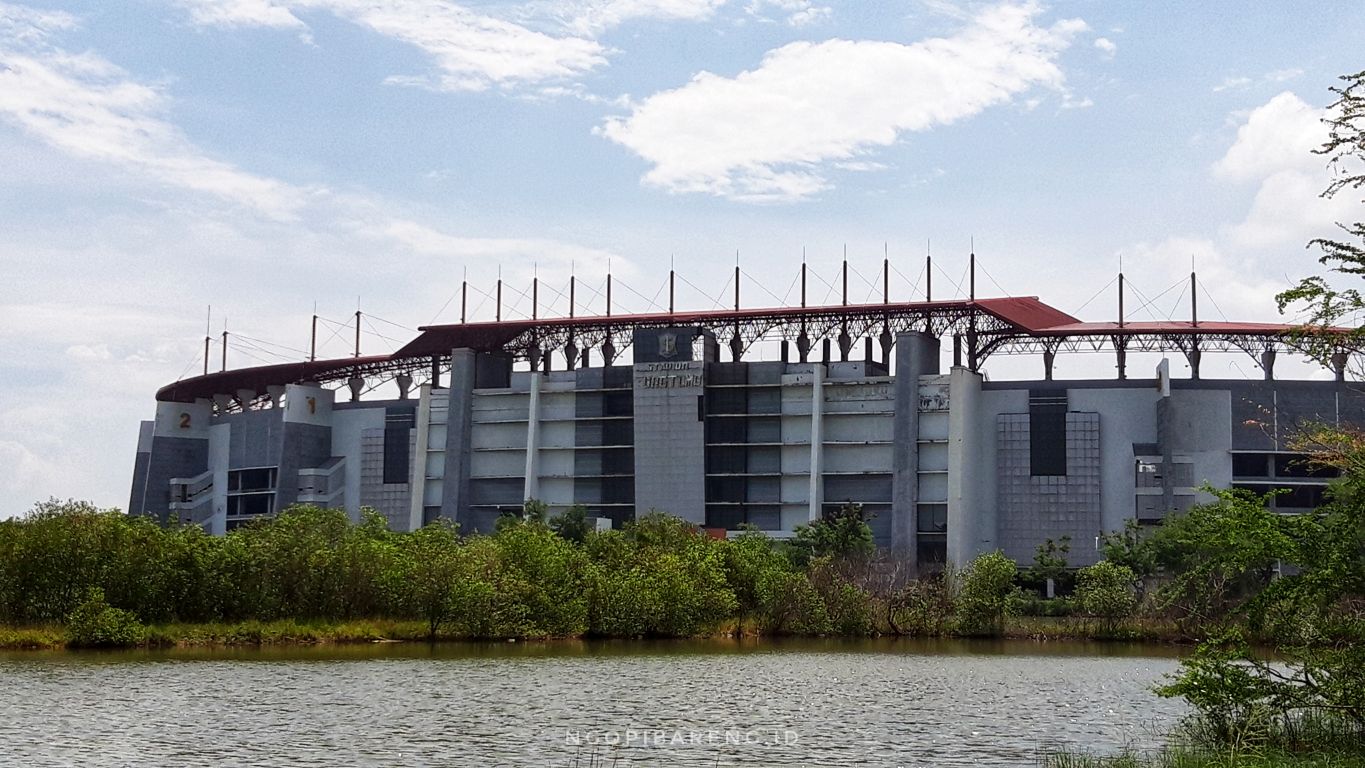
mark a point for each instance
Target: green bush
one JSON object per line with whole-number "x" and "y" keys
{"x": 95, "y": 624}
{"x": 1106, "y": 591}
{"x": 984, "y": 598}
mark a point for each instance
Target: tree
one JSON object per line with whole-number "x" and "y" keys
{"x": 1345, "y": 254}
{"x": 986, "y": 586}
{"x": 843, "y": 534}
{"x": 572, "y": 524}
{"x": 1049, "y": 562}
{"x": 431, "y": 573}
{"x": 1105, "y": 591}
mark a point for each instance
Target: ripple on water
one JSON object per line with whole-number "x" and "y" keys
{"x": 892, "y": 704}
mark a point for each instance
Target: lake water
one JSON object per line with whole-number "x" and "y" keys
{"x": 583, "y": 705}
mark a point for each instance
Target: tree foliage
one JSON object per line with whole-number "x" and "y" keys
{"x": 984, "y": 598}
{"x": 1323, "y": 304}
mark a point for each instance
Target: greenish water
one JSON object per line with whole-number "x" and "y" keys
{"x": 705, "y": 703}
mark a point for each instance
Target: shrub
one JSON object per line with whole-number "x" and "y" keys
{"x": 1105, "y": 591}
{"x": 984, "y": 599}
{"x": 96, "y": 624}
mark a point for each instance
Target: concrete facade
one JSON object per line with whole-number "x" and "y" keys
{"x": 948, "y": 465}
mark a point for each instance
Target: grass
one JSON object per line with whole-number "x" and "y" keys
{"x": 1186, "y": 757}
{"x": 32, "y": 638}
{"x": 1304, "y": 739}
{"x": 245, "y": 633}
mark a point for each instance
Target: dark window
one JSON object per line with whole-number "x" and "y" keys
{"x": 430, "y": 515}
{"x": 932, "y": 553}
{"x": 1300, "y": 497}
{"x": 1250, "y": 465}
{"x": 933, "y": 518}
{"x": 1047, "y": 433}
{"x": 254, "y": 504}
{"x": 397, "y": 447}
{"x": 261, "y": 479}
{"x": 1297, "y": 465}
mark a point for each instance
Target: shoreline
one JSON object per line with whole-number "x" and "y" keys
{"x": 292, "y": 633}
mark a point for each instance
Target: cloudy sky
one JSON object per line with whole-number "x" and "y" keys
{"x": 161, "y": 156}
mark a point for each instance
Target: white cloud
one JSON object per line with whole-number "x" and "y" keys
{"x": 798, "y": 13}
{"x": 1274, "y": 150}
{"x": 1106, "y": 46}
{"x": 89, "y": 108}
{"x": 30, "y": 25}
{"x": 766, "y": 134}
{"x": 242, "y": 13}
{"x": 472, "y": 51}
{"x": 1279, "y": 135}
{"x": 592, "y": 17}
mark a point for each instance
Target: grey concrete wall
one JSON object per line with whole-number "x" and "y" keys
{"x": 459, "y": 430}
{"x": 257, "y": 437}
{"x": 917, "y": 355}
{"x": 1127, "y": 416}
{"x": 1201, "y": 428}
{"x": 171, "y": 457}
{"x": 140, "y": 463}
{"x": 302, "y": 446}
{"x": 1032, "y": 509}
{"x": 670, "y": 452}
{"x": 971, "y": 466}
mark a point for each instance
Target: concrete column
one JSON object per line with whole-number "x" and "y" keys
{"x": 916, "y": 355}
{"x": 276, "y": 392}
{"x": 1268, "y": 363}
{"x": 817, "y": 442}
{"x": 1339, "y": 360}
{"x": 531, "y": 488}
{"x": 459, "y": 434}
{"x": 417, "y": 480}
{"x": 971, "y": 526}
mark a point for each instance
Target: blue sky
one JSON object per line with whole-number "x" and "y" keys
{"x": 159, "y": 156}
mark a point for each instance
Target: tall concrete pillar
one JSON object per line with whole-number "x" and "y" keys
{"x": 531, "y": 488}
{"x": 459, "y": 433}
{"x": 971, "y": 525}
{"x": 817, "y": 443}
{"x": 417, "y": 480}
{"x": 917, "y": 355}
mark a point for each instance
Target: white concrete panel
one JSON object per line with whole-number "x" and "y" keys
{"x": 348, "y": 428}
{"x": 309, "y": 405}
{"x": 857, "y": 458}
{"x": 186, "y": 420}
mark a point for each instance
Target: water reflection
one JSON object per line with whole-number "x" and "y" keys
{"x": 704, "y": 703}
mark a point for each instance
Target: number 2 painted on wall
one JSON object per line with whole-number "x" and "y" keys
{"x": 184, "y": 420}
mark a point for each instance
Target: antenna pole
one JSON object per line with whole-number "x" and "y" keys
{"x": 1194, "y": 300}
{"x": 928, "y": 277}
{"x": 736, "y": 282}
{"x": 671, "y": 278}
{"x": 357, "y": 333}
{"x": 464, "y": 300}
{"x": 497, "y": 312}
{"x": 208, "y": 323}
{"x": 971, "y": 283}
{"x": 886, "y": 275}
{"x": 608, "y": 294}
{"x": 845, "y": 297}
{"x": 572, "y": 281}
{"x": 1121, "y": 318}
{"x": 803, "y": 277}
{"x": 535, "y": 296}
{"x": 225, "y": 345}
{"x": 313, "y": 338}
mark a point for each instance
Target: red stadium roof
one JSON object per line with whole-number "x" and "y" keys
{"x": 1019, "y": 319}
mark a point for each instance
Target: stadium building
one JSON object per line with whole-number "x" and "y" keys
{"x": 880, "y": 404}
